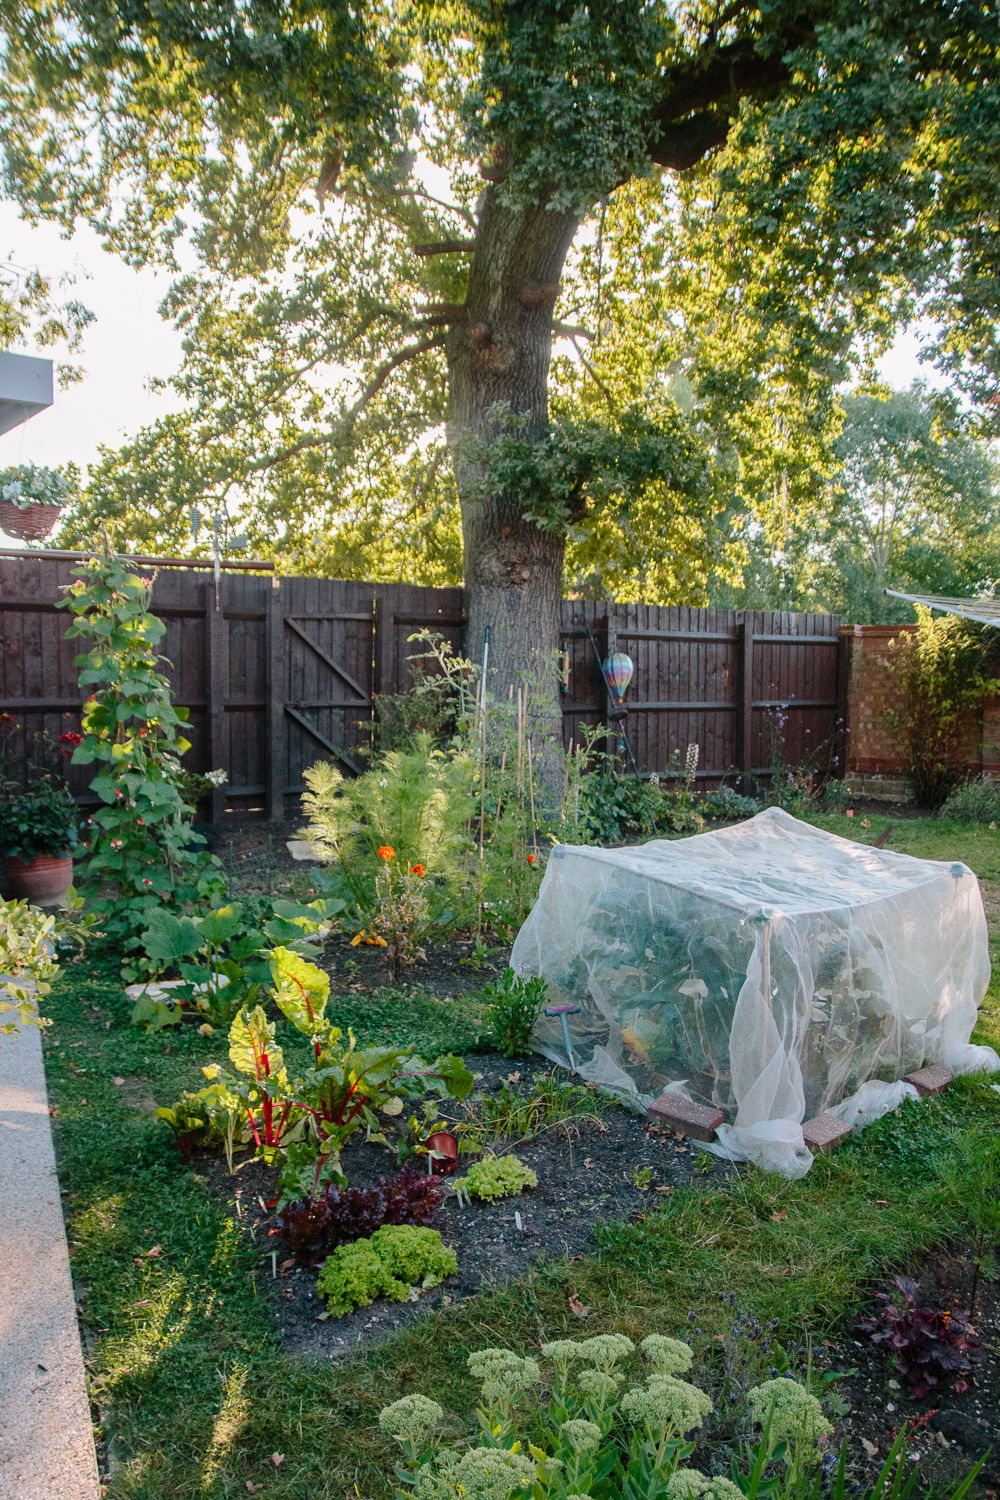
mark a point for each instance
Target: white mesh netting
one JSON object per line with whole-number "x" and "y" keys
{"x": 772, "y": 970}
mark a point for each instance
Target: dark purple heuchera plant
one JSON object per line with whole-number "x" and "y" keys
{"x": 932, "y": 1347}
{"x": 338, "y": 1215}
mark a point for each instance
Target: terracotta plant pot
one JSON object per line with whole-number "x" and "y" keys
{"x": 445, "y": 1143}
{"x": 44, "y": 880}
{"x": 30, "y": 524}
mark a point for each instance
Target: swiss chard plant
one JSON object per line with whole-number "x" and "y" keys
{"x": 141, "y": 852}
{"x": 302, "y": 1123}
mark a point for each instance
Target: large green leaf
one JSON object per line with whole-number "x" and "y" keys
{"x": 251, "y": 1041}
{"x": 301, "y": 990}
{"x": 220, "y": 925}
{"x": 168, "y": 938}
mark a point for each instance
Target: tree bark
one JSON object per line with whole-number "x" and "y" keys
{"x": 501, "y": 354}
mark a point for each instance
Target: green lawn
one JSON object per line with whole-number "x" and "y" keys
{"x": 196, "y": 1395}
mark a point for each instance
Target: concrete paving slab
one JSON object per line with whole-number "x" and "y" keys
{"x": 46, "y": 1439}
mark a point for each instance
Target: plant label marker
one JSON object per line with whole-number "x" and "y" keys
{"x": 562, "y": 1011}
{"x": 274, "y": 1265}
{"x": 517, "y": 1221}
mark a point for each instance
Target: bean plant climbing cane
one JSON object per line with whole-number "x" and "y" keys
{"x": 141, "y": 846}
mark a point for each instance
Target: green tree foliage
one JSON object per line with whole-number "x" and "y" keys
{"x": 370, "y": 210}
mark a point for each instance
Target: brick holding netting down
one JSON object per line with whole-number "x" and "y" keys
{"x": 686, "y": 1117}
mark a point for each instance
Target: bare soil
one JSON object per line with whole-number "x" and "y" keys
{"x": 585, "y": 1172}
{"x": 947, "y": 1430}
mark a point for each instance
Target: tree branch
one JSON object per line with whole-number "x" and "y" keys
{"x": 694, "y": 114}
{"x": 343, "y": 427}
{"x": 593, "y": 373}
{"x": 444, "y": 247}
{"x": 571, "y": 331}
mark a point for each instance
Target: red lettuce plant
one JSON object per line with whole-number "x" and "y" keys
{"x": 339, "y": 1215}
{"x": 932, "y": 1347}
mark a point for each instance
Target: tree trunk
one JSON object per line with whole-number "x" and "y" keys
{"x": 513, "y": 571}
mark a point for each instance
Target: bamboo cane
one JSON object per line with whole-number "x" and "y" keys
{"x": 562, "y": 804}
{"x": 531, "y": 793}
{"x": 520, "y": 750}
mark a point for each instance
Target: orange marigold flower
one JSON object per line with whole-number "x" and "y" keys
{"x": 418, "y": 870}
{"x": 532, "y": 858}
{"x": 386, "y": 852}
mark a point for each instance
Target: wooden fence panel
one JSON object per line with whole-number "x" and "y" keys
{"x": 276, "y": 675}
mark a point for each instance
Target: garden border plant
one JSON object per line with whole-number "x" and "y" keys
{"x": 141, "y": 846}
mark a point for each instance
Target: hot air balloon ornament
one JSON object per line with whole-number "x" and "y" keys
{"x": 618, "y": 671}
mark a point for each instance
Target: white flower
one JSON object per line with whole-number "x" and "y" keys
{"x": 217, "y": 778}
{"x": 581, "y": 1435}
{"x": 793, "y": 1411}
{"x": 605, "y": 1349}
{"x": 670, "y": 1356}
{"x": 409, "y": 1416}
{"x": 667, "y": 1403}
{"x": 492, "y": 1473}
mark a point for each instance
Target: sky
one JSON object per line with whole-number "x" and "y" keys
{"x": 130, "y": 343}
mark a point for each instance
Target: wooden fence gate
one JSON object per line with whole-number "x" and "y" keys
{"x": 285, "y": 671}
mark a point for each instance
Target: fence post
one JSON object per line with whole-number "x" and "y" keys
{"x": 277, "y": 770}
{"x": 842, "y": 733}
{"x": 744, "y": 702}
{"x": 217, "y": 650}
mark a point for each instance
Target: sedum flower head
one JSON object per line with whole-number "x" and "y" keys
{"x": 670, "y": 1356}
{"x": 582, "y": 1436}
{"x": 688, "y": 1484}
{"x": 492, "y": 1473}
{"x": 595, "y": 1383}
{"x": 502, "y": 1372}
{"x": 563, "y": 1351}
{"x": 794, "y": 1412}
{"x": 666, "y": 1402}
{"x": 409, "y": 1416}
{"x": 606, "y": 1349}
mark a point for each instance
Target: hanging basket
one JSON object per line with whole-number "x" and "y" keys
{"x": 32, "y": 523}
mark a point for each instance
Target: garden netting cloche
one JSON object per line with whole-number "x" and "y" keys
{"x": 771, "y": 970}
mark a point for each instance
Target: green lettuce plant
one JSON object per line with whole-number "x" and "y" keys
{"x": 497, "y": 1177}
{"x": 395, "y": 1259}
{"x": 142, "y": 852}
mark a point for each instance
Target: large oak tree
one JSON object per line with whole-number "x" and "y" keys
{"x": 847, "y": 155}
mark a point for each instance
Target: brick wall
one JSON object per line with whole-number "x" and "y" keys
{"x": 874, "y": 763}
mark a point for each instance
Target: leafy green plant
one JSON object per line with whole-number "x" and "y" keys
{"x": 593, "y": 1438}
{"x": 975, "y": 801}
{"x": 26, "y": 963}
{"x": 222, "y": 956}
{"x": 515, "y": 1004}
{"x": 142, "y": 852}
{"x": 303, "y": 1123}
{"x": 41, "y": 820}
{"x": 415, "y": 802}
{"x": 726, "y": 802}
{"x": 390, "y": 1264}
{"x": 940, "y": 674}
{"x": 190, "y": 1121}
{"x": 836, "y": 795}
{"x": 497, "y": 1177}
{"x": 439, "y": 702}
{"x": 517, "y": 1114}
